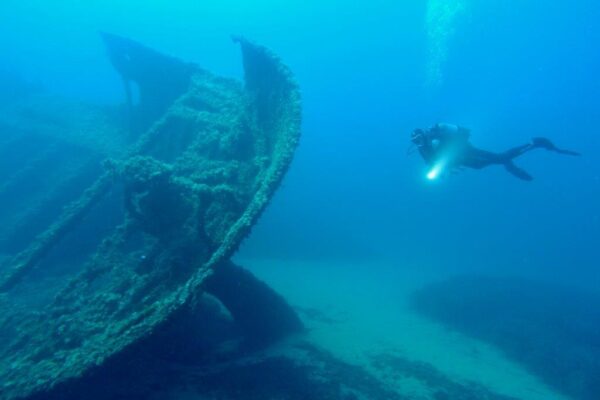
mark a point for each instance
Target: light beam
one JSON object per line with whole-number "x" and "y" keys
{"x": 436, "y": 171}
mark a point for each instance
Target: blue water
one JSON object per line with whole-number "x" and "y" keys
{"x": 371, "y": 72}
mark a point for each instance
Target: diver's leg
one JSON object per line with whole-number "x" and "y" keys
{"x": 478, "y": 159}
{"x": 544, "y": 143}
{"x": 516, "y": 152}
{"x": 536, "y": 143}
{"x": 517, "y": 172}
{"x": 507, "y": 160}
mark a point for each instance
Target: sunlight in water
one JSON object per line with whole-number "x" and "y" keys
{"x": 440, "y": 24}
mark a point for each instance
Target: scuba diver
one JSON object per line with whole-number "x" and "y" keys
{"x": 447, "y": 147}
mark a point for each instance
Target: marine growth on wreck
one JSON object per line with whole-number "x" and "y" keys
{"x": 155, "y": 196}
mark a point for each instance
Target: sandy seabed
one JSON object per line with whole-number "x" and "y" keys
{"x": 360, "y": 313}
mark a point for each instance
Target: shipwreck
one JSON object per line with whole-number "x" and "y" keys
{"x": 116, "y": 220}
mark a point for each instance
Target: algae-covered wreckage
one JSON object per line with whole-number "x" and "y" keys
{"x": 115, "y": 219}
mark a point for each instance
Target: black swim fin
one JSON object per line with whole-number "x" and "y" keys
{"x": 517, "y": 172}
{"x": 544, "y": 143}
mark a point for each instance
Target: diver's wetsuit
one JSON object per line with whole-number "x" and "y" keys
{"x": 451, "y": 143}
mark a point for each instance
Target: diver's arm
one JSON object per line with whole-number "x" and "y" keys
{"x": 424, "y": 143}
{"x": 427, "y": 153}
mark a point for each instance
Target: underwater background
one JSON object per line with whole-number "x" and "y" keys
{"x": 356, "y": 220}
